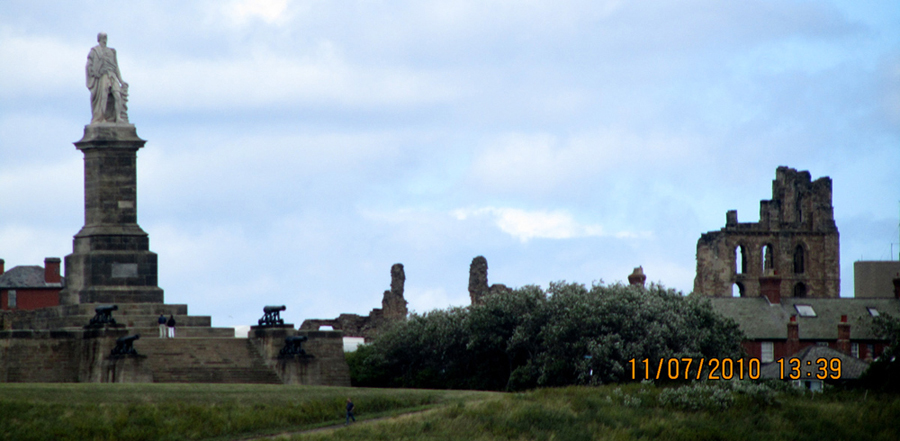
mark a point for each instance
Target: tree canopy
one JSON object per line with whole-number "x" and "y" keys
{"x": 530, "y": 337}
{"x": 884, "y": 373}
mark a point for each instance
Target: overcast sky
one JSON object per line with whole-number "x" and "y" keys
{"x": 297, "y": 149}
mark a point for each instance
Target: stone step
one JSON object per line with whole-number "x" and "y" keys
{"x": 154, "y": 309}
{"x": 185, "y": 331}
{"x": 205, "y": 360}
{"x": 153, "y": 332}
{"x": 66, "y": 316}
{"x": 127, "y": 320}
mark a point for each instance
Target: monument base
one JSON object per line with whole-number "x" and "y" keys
{"x": 111, "y": 261}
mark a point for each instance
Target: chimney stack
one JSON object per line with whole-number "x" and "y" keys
{"x": 3, "y": 264}
{"x": 843, "y": 342}
{"x": 792, "y": 346}
{"x": 51, "y": 270}
{"x": 637, "y": 277}
{"x": 770, "y": 288}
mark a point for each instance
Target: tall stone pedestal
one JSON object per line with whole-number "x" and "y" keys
{"x": 111, "y": 261}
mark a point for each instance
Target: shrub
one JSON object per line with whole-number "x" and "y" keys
{"x": 530, "y": 338}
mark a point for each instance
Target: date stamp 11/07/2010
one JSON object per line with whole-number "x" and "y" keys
{"x": 729, "y": 368}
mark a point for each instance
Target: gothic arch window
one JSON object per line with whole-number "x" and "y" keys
{"x": 740, "y": 260}
{"x": 800, "y": 290}
{"x": 768, "y": 260}
{"x": 740, "y": 290}
{"x": 799, "y": 260}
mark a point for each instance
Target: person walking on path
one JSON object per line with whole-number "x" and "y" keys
{"x": 350, "y": 412}
{"x": 162, "y": 326}
{"x": 171, "y": 325}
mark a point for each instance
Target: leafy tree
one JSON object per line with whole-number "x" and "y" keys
{"x": 565, "y": 335}
{"x": 884, "y": 373}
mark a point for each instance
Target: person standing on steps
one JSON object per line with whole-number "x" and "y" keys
{"x": 162, "y": 326}
{"x": 171, "y": 325}
{"x": 350, "y": 412}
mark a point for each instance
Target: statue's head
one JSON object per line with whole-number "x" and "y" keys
{"x": 101, "y": 38}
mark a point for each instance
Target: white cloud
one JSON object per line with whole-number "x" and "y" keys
{"x": 542, "y": 163}
{"x": 264, "y": 81}
{"x": 38, "y": 66}
{"x": 269, "y": 11}
{"x": 526, "y": 225}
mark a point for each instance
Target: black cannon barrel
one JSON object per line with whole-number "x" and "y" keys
{"x": 106, "y": 309}
{"x": 270, "y": 309}
{"x": 295, "y": 339}
{"x": 128, "y": 338}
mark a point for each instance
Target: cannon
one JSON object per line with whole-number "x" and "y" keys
{"x": 103, "y": 316}
{"x": 125, "y": 345}
{"x": 293, "y": 346}
{"x": 272, "y": 316}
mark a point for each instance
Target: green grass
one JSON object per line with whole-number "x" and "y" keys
{"x": 630, "y": 412}
{"x": 633, "y": 413}
{"x": 192, "y": 411}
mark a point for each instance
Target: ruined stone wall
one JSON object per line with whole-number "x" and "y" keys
{"x": 393, "y": 308}
{"x": 325, "y": 365}
{"x": 796, "y": 227}
{"x": 478, "y": 281}
{"x": 54, "y": 356}
{"x": 393, "y": 305}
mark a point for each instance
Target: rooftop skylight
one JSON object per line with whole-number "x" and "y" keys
{"x": 805, "y": 310}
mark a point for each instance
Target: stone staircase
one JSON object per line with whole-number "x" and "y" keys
{"x": 198, "y": 354}
{"x": 138, "y": 318}
{"x": 205, "y": 360}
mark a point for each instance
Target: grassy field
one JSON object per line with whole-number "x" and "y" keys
{"x": 193, "y": 411}
{"x": 638, "y": 412}
{"x": 631, "y": 412}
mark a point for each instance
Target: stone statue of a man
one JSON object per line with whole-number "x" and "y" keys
{"x": 109, "y": 94}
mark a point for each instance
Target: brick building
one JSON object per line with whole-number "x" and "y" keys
{"x": 28, "y": 287}
{"x": 779, "y": 278}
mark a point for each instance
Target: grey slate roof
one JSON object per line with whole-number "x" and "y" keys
{"x": 26, "y": 276}
{"x": 851, "y": 368}
{"x": 761, "y": 320}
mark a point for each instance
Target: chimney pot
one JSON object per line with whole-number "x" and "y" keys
{"x": 2, "y": 265}
{"x": 51, "y": 270}
{"x": 792, "y": 345}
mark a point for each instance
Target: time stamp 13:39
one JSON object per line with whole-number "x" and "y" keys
{"x": 728, "y": 368}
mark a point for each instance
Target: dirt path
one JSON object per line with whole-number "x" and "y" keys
{"x": 334, "y": 427}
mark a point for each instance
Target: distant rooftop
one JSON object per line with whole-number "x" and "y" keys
{"x": 26, "y": 276}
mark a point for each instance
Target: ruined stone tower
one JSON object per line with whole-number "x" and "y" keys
{"x": 478, "y": 282}
{"x": 393, "y": 305}
{"x": 110, "y": 261}
{"x": 795, "y": 245}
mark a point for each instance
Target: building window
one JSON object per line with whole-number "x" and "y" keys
{"x": 798, "y": 260}
{"x": 767, "y": 352}
{"x": 740, "y": 259}
{"x": 800, "y": 290}
{"x": 740, "y": 290}
{"x": 854, "y": 350}
{"x": 870, "y": 350}
{"x": 11, "y": 299}
{"x": 805, "y": 310}
{"x": 872, "y": 311}
{"x": 768, "y": 266}
{"x": 822, "y": 343}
